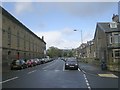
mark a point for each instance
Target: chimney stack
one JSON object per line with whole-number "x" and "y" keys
{"x": 42, "y": 37}
{"x": 115, "y": 18}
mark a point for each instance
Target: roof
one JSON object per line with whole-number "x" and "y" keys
{"x": 8, "y": 15}
{"x": 105, "y": 26}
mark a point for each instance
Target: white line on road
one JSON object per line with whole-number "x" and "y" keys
{"x": 86, "y": 81}
{"x": 88, "y": 85}
{"x": 83, "y": 71}
{"x": 31, "y": 72}
{"x": 8, "y": 80}
{"x": 49, "y": 65}
{"x": 89, "y": 88}
{"x": 85, "y": 78}
{"x": 79, "y": 69}
{"x": 57, "y": 70}
{"x": 84, "y": 75}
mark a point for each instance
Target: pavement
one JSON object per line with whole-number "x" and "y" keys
{"x": 96, "y": 70}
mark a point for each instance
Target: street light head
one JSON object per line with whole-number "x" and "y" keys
{"x": 75, "y": 30}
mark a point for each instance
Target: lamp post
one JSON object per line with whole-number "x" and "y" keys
{"x": 81, "y": 35}
{"x": 78, "y": 54}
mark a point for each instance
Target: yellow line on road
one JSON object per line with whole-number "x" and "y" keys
{"x": 108, "y": 75}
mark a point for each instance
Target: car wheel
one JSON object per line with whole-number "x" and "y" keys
{"x": 76, "y": 68}
{"x": 21, "y": 67}
{"x": 66, "y": 68}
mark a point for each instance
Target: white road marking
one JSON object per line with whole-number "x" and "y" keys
{"x": 66, "y": 70}
{"x": 85, "y": 78}
{"x": 83, "y": 71}
{"x": 84, "y": 75}
{"x": 49, "y": 65}
{"x": 31, "y": 72}
{"x": 79, "y": 69}
{"x": 89, "y": 88}
{"x": 57, "y": 70}
{"x": 86, "y": 81}
{"x": 88, "y": 85}
{"x": 8, "y": 80}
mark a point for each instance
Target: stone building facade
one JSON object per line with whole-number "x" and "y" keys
{"x": 107, "y": 43}
{"x": 90, "y": 49}
{"x": 105, "y": 47}
{"x": 18, "y": 42}
{"x": 86, "y": 51}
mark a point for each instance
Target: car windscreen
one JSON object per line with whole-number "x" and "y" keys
{"x": 71, "y": 61}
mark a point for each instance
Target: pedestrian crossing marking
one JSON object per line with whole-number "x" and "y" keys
{"x": 108, "y": 75}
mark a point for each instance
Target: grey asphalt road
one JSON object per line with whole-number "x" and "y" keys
{"x": 53, "y": 75}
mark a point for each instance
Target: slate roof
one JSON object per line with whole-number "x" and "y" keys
{"x": 106, "y": 27}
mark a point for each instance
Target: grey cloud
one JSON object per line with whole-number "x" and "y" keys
{"x": 76, "y": 9}
{"x": 86, "y": 9}
{"x": 80, "y": 9}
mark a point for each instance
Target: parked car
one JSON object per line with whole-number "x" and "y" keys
{"x": 29, "y": 63}
{"x": 34, "y": 63}
{"x": 38, "y": 62}
{"x": 18, "y": 64}
{"x": 42, "y": 61}
{"x": 46, "y": 60}
{"x": 71, "y": 64}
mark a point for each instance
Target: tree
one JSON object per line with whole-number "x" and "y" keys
{"x": 54, "y": 52}
{"x": 70, "y": 53}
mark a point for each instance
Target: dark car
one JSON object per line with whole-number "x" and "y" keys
{"x": 71, "y": 64}
{"x": 62, "y": 58}
{"x": 18, "y": 64}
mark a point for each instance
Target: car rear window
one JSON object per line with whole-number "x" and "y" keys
{"x": 17, "y": 62}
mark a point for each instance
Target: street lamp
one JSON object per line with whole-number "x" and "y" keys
{"x": 75, "y": 30}
{"x": 78, "y": 55}
{"x": 81, "y": 35}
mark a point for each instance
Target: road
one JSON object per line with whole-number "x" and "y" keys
{"x": 53, "y": 75}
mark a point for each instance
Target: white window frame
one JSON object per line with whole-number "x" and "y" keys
{"x": 113, "y": 37}
{"x": 110, "y": 37}
{"x": 114, "y": 55}
{"x": 113, "y": 25}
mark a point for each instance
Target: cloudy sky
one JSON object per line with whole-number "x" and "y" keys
{"x": 56, "y": 21}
